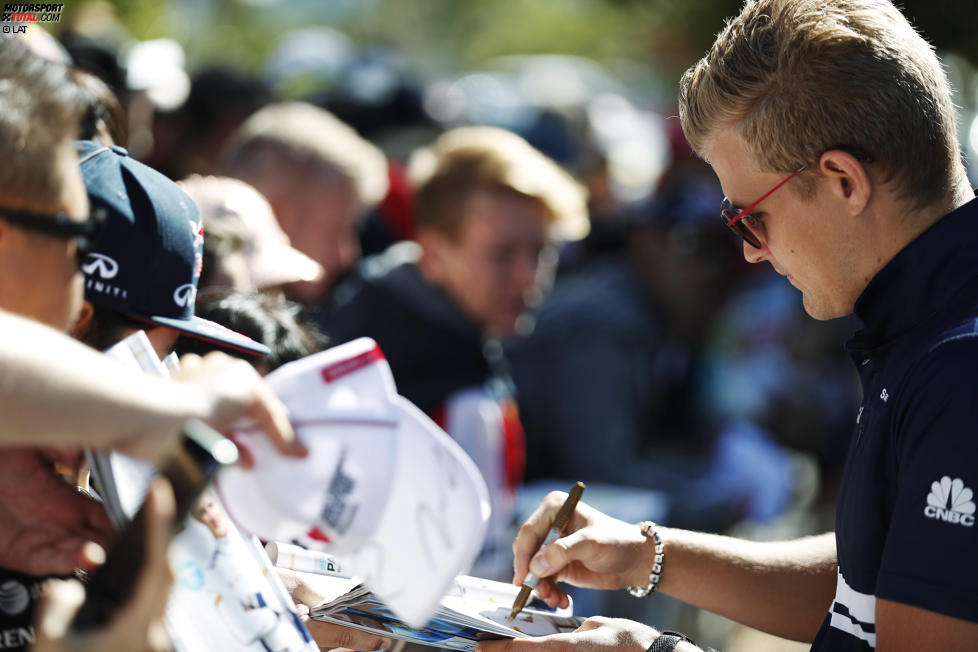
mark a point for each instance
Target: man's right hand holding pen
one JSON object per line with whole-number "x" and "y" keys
{"x": 598, "y": 552}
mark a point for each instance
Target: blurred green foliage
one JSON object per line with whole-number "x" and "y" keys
{"x": 450, "y": 35}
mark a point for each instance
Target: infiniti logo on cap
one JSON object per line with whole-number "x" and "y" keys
{"x": 107, "y": 267}
{"x": 184, "y": 295}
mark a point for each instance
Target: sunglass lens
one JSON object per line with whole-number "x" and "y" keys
{"x": 744, "y": 232}
{"x": 740, "y": 228}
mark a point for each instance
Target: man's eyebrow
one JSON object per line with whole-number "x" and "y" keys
{"x": 733, "y": 202}
{"x": 739, "y": 206}
{"x": 735, "y": 206}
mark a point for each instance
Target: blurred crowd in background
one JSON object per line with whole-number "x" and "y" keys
{"x": 621, "y": 339}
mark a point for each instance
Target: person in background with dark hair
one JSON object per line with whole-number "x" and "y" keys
{"x": 270, "y": 319}
{"x": 191, "y": 139}
{"x": 104, "y": 120}
{"x": 221, "y": 98}
{"x": 142, "y": 274}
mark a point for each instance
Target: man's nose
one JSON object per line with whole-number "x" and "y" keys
{"x": 754, "y": 255}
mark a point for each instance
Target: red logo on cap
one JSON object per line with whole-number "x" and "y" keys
{"x": 318, "y": 535}
{"x": 345, "y": 367}
{"x": 197, "y": 230}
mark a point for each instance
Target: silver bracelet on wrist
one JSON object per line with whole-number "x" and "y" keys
{"x": 658, "y": 559}
{"x": 668, "y": 640}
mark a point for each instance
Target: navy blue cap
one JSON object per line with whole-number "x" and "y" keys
{"x": 148, "y": 258}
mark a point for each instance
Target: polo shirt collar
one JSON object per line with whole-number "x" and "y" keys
{"x": 920, "y": 279}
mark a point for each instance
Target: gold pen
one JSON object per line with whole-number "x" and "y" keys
{"x": 556, "y": 531}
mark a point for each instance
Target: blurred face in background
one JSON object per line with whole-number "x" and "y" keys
{"x": 210, "y": 513}
{"x": 491, "y": 265}
{"x": 39, "y": 274}
{"x": 322, "y": 219}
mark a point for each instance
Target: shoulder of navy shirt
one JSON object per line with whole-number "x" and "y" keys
{"x": 923, "y": 300}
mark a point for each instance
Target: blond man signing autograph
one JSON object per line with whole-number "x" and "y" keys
{"x": 830, "y": 126}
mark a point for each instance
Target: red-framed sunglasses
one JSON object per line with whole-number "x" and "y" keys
{"x": 740, "y": 221}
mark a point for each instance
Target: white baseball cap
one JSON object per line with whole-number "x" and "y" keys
{"x": 383, "y": 488}
{"x": 269, "y": 254}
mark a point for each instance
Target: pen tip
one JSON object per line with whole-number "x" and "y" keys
{"x": 520, "y": 601}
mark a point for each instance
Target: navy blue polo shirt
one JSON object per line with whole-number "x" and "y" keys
{"x": 905, "y": 521}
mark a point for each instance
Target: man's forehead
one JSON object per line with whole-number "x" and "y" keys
{"x": 337, "y": 200}
{"x": 505, "y": 207}
{"x": 74, "y": 199}
{"x": 737, "y": 172}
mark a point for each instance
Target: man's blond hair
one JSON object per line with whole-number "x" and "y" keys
{"x": 285, "y": 137}
{"x": 799, "y": 77}
{"x": 467, "y": 160}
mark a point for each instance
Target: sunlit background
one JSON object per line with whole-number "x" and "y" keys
{"x": 611, "y": 63}
{"x": 592, "y": 83}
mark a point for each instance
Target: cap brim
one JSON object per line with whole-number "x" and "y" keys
{"x": 383, "y": 488}
{"x": 209, "y": 331}
{"x": 415, "y": 507}
{"x": 280, "y": 264}
{"x": 434, "y": 522}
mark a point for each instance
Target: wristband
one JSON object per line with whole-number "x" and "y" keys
{"x": 658, "y": 559}
{"x": 667, "y": 642}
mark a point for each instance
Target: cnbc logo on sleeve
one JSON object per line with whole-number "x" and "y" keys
{"x": 949, "y": 500}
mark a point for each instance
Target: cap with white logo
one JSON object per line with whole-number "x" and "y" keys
{"x": 385, "y": 490}
{"x": 148, "y": 258}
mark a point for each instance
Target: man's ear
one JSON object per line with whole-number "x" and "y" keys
{"x": 850, "y": 182}
{"x": 435, "y": 249}
{"x": 83, "y": 325}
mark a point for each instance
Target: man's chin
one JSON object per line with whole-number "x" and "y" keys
{"x": 822, "y": 310}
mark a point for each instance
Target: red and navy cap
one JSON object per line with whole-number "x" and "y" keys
{"x": 148, "y": 258}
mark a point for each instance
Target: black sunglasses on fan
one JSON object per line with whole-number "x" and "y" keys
{"x": 60, "y": 225}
